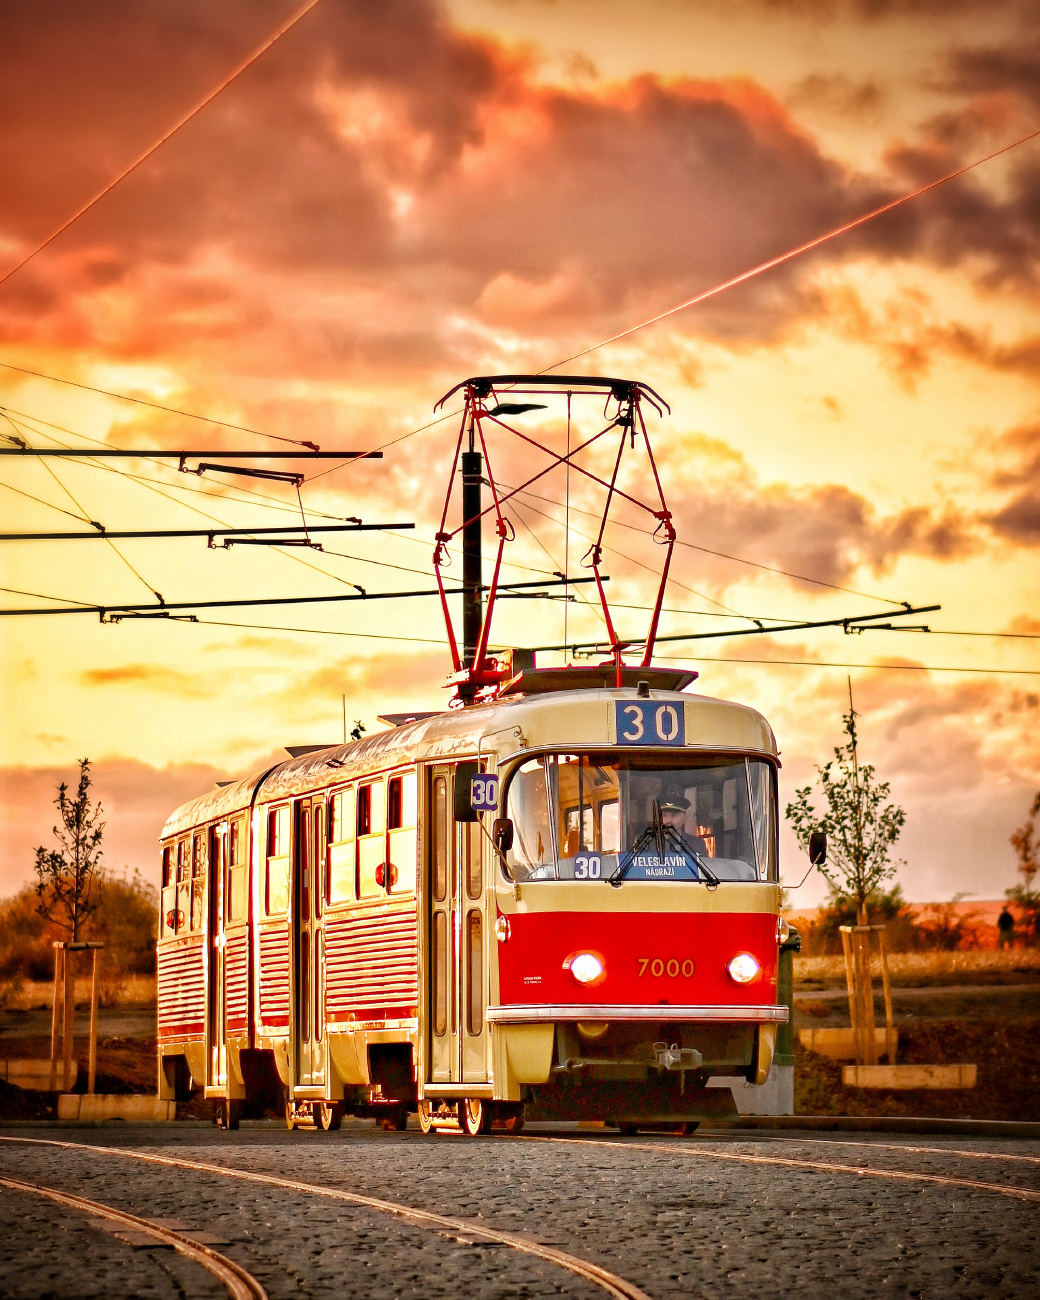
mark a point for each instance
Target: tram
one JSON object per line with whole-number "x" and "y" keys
{"x": 558, "y": 900}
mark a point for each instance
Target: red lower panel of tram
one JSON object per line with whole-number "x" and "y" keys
{"x": 647, "y": 957}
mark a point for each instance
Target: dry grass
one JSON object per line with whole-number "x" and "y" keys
{"x": 1009, "y": 965}
{"x": 127, "y": 991}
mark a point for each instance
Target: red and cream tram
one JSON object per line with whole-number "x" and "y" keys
{"x": 595, "y": 946}
{"x": 558, "y": 899}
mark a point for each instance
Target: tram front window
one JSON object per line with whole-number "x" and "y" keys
{"x": 578, "y": 816}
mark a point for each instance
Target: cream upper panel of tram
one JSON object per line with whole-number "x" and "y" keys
{"x": 584, "y": 718}
{"x": 637, "y": 896}
{"x": 212, "y": 806}
{"x": 564, "y": 718}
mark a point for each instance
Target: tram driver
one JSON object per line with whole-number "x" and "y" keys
{"x": 673, "y": 816}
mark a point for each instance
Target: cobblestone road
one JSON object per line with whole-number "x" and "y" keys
{"x": 665, "y": 1213}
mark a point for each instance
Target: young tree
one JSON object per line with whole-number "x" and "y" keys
{"x": 69, "y": 878}
{"x": 860, "y": 824}
{"x": 1027, "y": 850}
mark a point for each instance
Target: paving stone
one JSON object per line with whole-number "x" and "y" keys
{"x": 671, "y": 1221}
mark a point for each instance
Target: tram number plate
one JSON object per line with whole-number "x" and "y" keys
{"x": 670, "y": 966}
{"x": 588, "y": 866}
{"x": 649, "y": 722}
{"x": 483, "y": 792}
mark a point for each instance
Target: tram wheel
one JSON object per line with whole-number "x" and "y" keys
{"x": 628, "y": 1130}
{"x": 474, "y": 1116}
{"x": 511, "y": 1123}
{"x": 227, "y": 1113}
{"x": 691, "y": 1127}
{"x": 291, "y": 1118}
{"x": 425, "y": 1116}
{"x": 395, "y": 1121}
{"x": 329, "y": 1115}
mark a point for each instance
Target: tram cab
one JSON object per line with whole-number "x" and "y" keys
{"x": 563, "y": 904}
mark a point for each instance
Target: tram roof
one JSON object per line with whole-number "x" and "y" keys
{"x": 458, "y": 733}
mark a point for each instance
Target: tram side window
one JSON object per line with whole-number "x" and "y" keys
{"x": 341, "y": 852}
{"x": 400, "y": 824}
{"x": 169, "y": 891}
{"x": 371, "y": 841}
{"x": 763, "y": 808}
{"x": 199, "y": 861}
{"x": 182, "y": 889}
{"x": 276, "y": 875}
{"x": 238, "y": 873}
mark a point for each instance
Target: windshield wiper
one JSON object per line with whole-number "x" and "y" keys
{"x": 661, "y": 836}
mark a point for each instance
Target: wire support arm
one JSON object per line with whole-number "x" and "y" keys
{"x": 850, "y": 623}
{"x": 154, "y": 453}
{"x": 106, "y": 610}
{"x": 351, "y": 526}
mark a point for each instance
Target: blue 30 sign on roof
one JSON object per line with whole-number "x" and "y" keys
{"x": 649, "y": 722}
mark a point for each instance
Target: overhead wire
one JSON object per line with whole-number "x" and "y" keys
{"x": 795, "y": 252}
{"x": 91, "y": 463}
{"x": 250, "y": 493}
{"x": 38, "y": 595}
{"x": 182, "y": 121}
{"x": 86, "y": 519}
{"x": 823, "y": 663}
{"x": 737, "y": 559}
{"x": 157, "y": 406}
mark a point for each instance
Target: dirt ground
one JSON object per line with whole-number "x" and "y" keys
{"x": 1008, "y": 1074}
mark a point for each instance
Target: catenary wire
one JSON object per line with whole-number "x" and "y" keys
{"x": 86, "y": 519}
{"x": 156, "y": 406}
{"x": 795, "y": 252}
{"x": 737, "y": 559}
{"x": 192, "y": 489}
{"x": 182, "y": 121}
{"x": 247, "y": 497}
{"x": 38, "y": 595}
{"x": 822, "y": 663}
{"x": 90, "y": 464}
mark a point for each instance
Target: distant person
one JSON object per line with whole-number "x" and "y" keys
{"x": 1005, "y": 929}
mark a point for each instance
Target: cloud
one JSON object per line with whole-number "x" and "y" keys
{"x": 382, "y": 192}
{"x": 154, "y": 677}
{"x": 824, "y": 531}
{"x": 1019, "y": 520}
{"x": 136, "y": 798}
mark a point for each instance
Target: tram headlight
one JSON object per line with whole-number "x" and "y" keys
{"x": 783, "y": 931}
{"x": 744, "y": 968}
{"x": 586, "y": 967}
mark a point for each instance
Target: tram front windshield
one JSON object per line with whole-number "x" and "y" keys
{"x": 581, "y": 816}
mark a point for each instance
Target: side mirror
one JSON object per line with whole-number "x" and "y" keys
{"x": 464, "y": 774}
{"x": 818, "y": 848}
{"x": 502, "y": 834}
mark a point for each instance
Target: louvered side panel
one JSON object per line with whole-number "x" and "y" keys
{"x": 274, "y": 978}
{"x": 372, "y": 966}
{"x": 236, "y": 986}
{"x": 182, "y": 992}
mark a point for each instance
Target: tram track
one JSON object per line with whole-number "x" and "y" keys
{"x": 863, "y": 1171}
{"x": 240, "y": 1284}
{"x": 465, "y": 1230}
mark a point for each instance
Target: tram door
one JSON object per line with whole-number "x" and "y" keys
{"x": 216, "y": 1023}
{"x": 309, "y": 891}
{"x": 458, "y": 932}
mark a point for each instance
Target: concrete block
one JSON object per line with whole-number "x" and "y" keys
{"x": 909, "y": 1076}
{"x": 34, "y": 1073}
{"x": 102, "y": 1106}
{"x": 840, "y": 1044}
{"x": 774, "y": 1097}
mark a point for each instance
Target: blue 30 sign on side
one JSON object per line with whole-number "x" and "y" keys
{"x": 649, "y": 722}
{"x": 483, "y": 792}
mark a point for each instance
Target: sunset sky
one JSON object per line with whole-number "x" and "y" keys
{"x": 397, "y": 196}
